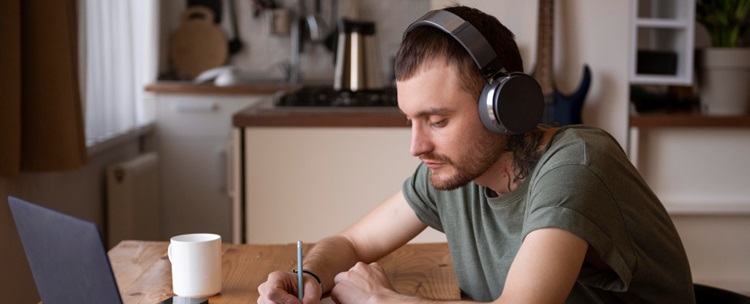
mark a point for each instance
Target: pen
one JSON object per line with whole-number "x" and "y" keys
{"x": 300, "y": 287}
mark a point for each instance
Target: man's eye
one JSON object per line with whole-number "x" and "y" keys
{"x": 439, "y": 123}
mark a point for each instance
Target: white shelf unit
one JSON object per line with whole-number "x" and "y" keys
{"x": 695, "y": 171}
{"x": 663, "y": 25}
{"x": 701, "y": 175}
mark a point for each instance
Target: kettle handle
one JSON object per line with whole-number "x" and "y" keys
{"x": 197, "y": 13}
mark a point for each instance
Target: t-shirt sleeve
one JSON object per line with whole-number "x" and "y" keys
{"x": 576, "y": 200}
{"x": 416, "y": 192}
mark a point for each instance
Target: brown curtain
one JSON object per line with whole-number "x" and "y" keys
{"x": 41, "y": 118}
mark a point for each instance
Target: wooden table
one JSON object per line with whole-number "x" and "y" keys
{"x": 143, "y": 271}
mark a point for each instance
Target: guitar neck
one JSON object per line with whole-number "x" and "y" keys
{"x": 544, "y": 52}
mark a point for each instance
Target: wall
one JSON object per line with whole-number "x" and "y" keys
{"x": 77, "y": 192}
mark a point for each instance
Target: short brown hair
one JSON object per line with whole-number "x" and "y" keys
{"x": 424, "y": 45}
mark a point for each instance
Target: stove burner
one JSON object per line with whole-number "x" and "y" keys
{"x": 328, "y": 97}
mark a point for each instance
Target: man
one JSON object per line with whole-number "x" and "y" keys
{"x": 550, "y": 215}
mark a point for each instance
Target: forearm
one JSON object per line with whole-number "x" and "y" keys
{"x": 329, "y": 257}
{"x": 368, "y": 283}
{"x": 401, "y": 298}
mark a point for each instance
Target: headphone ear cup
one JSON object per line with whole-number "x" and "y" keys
{"x": 511, "y": 104}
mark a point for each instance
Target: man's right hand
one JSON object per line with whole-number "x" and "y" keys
{"x": 368, "y": 240}
{"x": 281, "y": 287}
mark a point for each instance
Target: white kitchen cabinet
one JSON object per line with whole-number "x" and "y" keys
{"x": 193, "y": 134}
{"x": 312, "y": 182}
{"x": 663, "y": 25}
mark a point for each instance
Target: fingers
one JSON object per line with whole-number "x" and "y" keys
{"x": 377, "y": 266}
{"x": 343, "y": 275}
{"x": 278, "y": 298}
{"x": 313, "y": 291}
{"x": 361, "y": 268}
{"x": 281, "y": 287}
{"x": 361, "y": 282}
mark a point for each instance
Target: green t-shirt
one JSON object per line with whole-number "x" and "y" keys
{"x": 583, "y": 183}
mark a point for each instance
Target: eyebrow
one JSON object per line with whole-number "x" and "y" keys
{"x": 434, "y": 111}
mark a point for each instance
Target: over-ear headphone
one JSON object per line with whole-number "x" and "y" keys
{"x": 510, "y": 103}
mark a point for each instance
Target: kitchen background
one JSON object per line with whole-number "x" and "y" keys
{"x": 264, "y": 52}
{"x": 193, "y": 137}
{"x": 708, "y": 198}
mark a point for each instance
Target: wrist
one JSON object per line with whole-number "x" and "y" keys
{"x": 314, "y": 276}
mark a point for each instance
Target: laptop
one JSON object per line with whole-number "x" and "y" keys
{"x": 66, "y": 255}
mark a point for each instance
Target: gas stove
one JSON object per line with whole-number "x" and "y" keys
{"x": 328, "y": 97}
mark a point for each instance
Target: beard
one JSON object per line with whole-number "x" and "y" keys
{"x": 474, "y": 162}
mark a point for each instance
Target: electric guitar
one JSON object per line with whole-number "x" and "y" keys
{"x": 559, "y": 109}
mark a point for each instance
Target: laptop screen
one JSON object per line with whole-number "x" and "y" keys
{"x": 66, "y": 255}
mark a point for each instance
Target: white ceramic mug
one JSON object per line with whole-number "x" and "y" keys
{"x": 196, "y": 264}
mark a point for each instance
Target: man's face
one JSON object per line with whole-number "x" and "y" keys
{"x": 446, "y": 132}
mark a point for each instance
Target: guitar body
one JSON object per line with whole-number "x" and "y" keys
{"x": 567, "y": 109}
{"x": 559, "y": 109}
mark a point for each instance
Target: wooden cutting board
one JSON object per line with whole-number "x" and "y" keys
{"x": 198, "y": 44}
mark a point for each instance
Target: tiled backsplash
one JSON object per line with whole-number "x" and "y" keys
{"x": 263, "y": 52}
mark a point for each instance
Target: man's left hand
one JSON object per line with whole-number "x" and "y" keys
{"x": 363, "y": 283}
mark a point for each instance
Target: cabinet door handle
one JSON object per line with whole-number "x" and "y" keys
{"x": 228, "y": 165}
{"x": 195, "y": 107}
{"x": 222, "y": 175}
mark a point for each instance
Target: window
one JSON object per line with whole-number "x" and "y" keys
{"x": 118, "y": 57}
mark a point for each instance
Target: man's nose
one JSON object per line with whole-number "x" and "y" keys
{"x": 420, "y": 142}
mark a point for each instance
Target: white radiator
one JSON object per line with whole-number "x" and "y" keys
{"x": 133, "y": 200}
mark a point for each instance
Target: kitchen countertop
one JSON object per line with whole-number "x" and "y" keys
{"x": 187, "y": 87}
{"x": 265, "y": 114}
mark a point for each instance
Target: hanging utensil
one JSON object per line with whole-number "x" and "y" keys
{"x": 235, "y": 44}
{"x": 198, "y": 44}
{"x": 317, "y": 29}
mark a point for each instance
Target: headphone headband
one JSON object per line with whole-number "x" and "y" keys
{"x": 509, "y": 103}
{"x": 467, "y": 35}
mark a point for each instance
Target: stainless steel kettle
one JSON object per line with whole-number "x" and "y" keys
{"x": 357, "y": 57}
